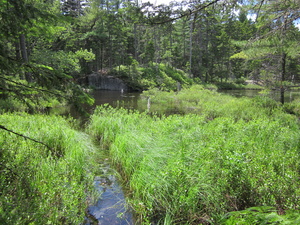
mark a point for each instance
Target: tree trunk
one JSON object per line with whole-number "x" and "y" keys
{"x": 283, "y": 63}
{"x": 135, "y": 42}
{"x": 24, "y": 54}
{"x": 17, "y": 50}
{"x": 191, "y": 44}
{"x": 200, "y": 54}
{"x": 23, "y": 48}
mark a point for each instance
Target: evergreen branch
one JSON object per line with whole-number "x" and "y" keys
{"x": 26, "y": 137}
{"x": 30, "y": 87}
{"x": 257, "y": 38}
{"x": 188, "y": 13}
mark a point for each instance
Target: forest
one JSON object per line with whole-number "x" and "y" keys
{"x": 217, "y": 160}
{"x": 51, "y": 46}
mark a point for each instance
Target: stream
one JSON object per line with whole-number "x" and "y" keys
{"x": 110, "y": 208}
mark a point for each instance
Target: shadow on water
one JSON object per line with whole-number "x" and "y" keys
{"x": 111, "y": 207}
{"x": 128, "y": 100}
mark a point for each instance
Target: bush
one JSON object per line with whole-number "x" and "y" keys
{"x": 154, "y": 75}
{"x": 293, "y": 107}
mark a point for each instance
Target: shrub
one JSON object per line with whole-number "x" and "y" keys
{"x": 154, "y": 75}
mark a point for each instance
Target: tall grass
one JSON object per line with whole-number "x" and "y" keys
{"x": 39, "y": 184}
{"x": 211, "y": 104}
{"x": 194, "y": 168}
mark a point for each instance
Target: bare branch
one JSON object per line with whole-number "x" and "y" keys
{"x": 26, "y": 137}
{"x": 188, "y": 13}
{"x": 259, "y": 8}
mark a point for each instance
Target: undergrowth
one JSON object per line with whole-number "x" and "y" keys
{"x": 227, "y": 155}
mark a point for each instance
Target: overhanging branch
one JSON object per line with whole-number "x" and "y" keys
{"x": 188, "y": 13}
{"x": 26, "y": 137}
{"x": 30, "y": 87}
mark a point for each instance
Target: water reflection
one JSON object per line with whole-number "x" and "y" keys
{"x": 111, "y": 207}
{"x": 128, "y": 100}
{"x": 116, "y": 98}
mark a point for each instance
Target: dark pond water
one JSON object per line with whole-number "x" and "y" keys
{"x": 116, "y": 98}
{"x": 130, "y": 100}
{"x": 127, "y": 100}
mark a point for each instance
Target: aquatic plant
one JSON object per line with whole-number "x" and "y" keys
{"x": 211, "y": 104}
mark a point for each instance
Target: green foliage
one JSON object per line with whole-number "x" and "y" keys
{"x": 85, "y": 54}
{"x": 17, "y": 105}
{"x": 229, "y": 155}
{"x": 155, "y": 75}
{"x": 65, "y": 63}
{"x": 43, "y": 183}
{"x": 34, "y": 65}
{"x": 293, "y": 107}
{"x": 261, "y": 215}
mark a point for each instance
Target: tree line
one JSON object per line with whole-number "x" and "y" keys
{"x": 47, "y": 46}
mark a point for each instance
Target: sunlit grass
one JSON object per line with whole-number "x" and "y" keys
{"x": 39, "y": 184}
{"x": 228, "y": 155}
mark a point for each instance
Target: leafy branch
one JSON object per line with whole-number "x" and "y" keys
{"x": 30, "y": 87}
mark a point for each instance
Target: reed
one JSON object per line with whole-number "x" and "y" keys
{"x": 43, "y": 183}
{"x": 194, "y": 168}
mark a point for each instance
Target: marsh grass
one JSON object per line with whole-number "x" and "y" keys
{"x": 211, "y": 104}
{"x": 293, "y": 107}
{"x": 227, "y": 155}
{"x": 39, "y": 184}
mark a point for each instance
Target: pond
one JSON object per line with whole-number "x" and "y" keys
{"x": 129, "y": 100}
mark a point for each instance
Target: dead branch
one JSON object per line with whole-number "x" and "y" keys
{"x": 26, "y": 137}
